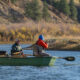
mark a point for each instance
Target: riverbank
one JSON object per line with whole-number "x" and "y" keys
{"x": 56, "y": 44}
{"x": 12, "y": 42}
{"x": 64, "y": 44}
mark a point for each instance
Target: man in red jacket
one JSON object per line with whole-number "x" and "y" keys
{"x": 41, "y": 46}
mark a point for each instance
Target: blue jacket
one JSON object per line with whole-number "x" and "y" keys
{"x": 16, "y": 48}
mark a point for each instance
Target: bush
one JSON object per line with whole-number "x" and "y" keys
{"x": 46, "y": 14}
{"x": 33, "y": 10}
{"x": 64, "y": 7}
{"x": 73, "y": 10}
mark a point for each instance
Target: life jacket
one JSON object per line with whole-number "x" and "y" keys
{"x": 37, "y": 50}
{"x": 42, "y": 43}
{"x": 16, "y": 48}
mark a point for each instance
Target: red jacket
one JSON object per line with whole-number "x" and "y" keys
{"x": 42, "y": 43}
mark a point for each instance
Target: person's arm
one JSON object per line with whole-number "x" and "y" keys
{"x": 19, "y": 48}
{"x": 16, "y": 48}
{"x": 29, "y": 47}
{"x": 44, "y": 44}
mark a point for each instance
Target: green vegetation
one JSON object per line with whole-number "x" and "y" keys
{"x": 13, "y": 1}
{"x": 33, "y": 10}
{"x": 46, "y": 15}
{"x": 64, "y": 7}
{"x": 53, "y": 3}
{"x": 50, "y": 2}
{"x": 73, "y": 10}
{"x": 68, "y": 9}
{"x": 39, "y": 9}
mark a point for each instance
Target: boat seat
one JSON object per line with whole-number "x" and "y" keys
{"x": 21, "y": 56}
{"x": 37, "y": 55}
{"x": 2, "y": 53}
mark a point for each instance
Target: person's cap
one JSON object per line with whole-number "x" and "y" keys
{"x": 41, "y": 37}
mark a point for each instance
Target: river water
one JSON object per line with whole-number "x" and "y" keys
{"x": 62, "y": 70}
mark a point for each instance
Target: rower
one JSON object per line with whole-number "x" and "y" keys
{"x": 16, "y": 48}
{"x": 39, "y": 47}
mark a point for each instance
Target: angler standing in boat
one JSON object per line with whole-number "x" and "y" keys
{"x": 16, "y": 48}
{"x": 39, "y": 47}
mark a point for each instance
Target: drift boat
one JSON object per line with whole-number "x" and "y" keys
{"x": 28, "y": 61}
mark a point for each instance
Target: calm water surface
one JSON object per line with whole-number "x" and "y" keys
{"x": 62, "y": 70}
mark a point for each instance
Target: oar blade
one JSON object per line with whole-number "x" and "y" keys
{"x": 69, "y": 58}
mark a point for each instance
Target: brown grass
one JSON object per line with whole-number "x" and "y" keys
{"x": 31, "y": 30}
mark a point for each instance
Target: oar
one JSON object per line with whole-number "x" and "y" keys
{"x": 69, "y": 58}
{"x": 28, "y": 48}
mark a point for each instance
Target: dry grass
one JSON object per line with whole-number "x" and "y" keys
{"x": 77, "y": 1}
{"x": 65, "y": 44}
{"x": 30, "y": 30}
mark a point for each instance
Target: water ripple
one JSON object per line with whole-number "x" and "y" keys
{"x": 62, "y": 70}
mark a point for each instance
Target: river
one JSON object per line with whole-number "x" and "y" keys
{"x": 62, "y": 70}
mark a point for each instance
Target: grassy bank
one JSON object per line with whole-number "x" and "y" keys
{"x": 64, "y": 44}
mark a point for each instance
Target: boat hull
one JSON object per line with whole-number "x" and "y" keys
{"x": 29, "y": 61}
